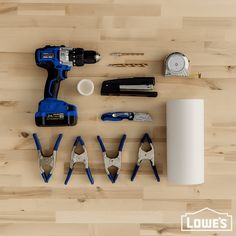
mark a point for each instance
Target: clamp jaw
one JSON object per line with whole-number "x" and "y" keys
{"x": 112, "y": 162}
{"x": 46, "y": 161}
{"x": 79, "y": 158}
{"x": 115, "y": 162}
{"x": 143, "y": 155}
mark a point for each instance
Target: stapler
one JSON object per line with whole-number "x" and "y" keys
{"x": 136, "y": 86}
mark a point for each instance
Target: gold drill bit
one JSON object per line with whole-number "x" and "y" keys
{"x": 129, "y": 65}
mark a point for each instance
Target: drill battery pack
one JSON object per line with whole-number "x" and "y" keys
{"x": 53, "y": 112}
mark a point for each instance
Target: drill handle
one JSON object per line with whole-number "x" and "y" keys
{"x": 53, "y": 82}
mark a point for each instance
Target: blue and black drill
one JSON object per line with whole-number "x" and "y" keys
{"x": 57, "y": 60}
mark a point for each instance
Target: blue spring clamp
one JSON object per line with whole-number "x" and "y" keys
{"x": 46, "y": 161}
{"x": 115, "y": 162}
{"x": 143, "y": 155}
{"x": 79, "y": 158}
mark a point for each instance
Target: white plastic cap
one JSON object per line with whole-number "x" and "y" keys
{"x": 85, "y": 87}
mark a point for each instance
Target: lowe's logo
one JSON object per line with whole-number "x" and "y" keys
{"x": 206, "y": 219}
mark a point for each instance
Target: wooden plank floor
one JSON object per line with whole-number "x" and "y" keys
{"x": 204, "y": 30}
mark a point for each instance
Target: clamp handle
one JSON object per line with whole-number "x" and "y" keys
{"x": 79, "y": 140}
{"x": 101, "y": 144}
{"x": 49, "y": 176}
{"x": 68, "y": 176}
{"x": 111, "y": 178}
{"x": 89, "y": 174}
{"x": 44, "y": 176}
{"x": 37, "y": 142}
{"x": 136, "y": 168}
{"x": 115, "y": 178}
{"x": 122, "y": 142}
{"x": 38, "y": 145}
{"x": 154, "y": 168}
{"x": 56, "y": 146}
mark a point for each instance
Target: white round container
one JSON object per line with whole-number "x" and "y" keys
{"x": 85, "y": 87}
{"x": 185, "y": 141}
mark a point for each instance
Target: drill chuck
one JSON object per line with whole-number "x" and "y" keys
{"x": 79, "y": 56}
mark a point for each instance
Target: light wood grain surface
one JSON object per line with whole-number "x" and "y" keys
{"x": 204, "y": 30}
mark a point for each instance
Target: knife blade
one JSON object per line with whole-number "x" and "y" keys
{"x": 133, "y": 116}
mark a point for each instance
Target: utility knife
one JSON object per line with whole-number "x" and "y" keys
{"x": 118, "y": 116}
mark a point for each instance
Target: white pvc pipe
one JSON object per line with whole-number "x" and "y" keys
{"x": 185, "y": 141}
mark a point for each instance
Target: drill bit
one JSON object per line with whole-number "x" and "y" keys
{"x": 129, "y": 65}
{"x": 120, "y": 54}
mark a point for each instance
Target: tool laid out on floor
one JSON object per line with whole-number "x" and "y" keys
{"x": 58, "y": 60}
{"x": 133, "y": 116}
{"x": 120, "y": 54}
{"x": 136, "y": 86}
{"x": 176, "y": 64}
{"x": 146, "y": 155}
{"x": 79, "y": 158}
{"x": 46, "y": 163}
{"x": 112, "y": 162}
{"x": 128, "y": 65}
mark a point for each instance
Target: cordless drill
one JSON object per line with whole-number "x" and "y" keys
{"x": 58, "y": 60}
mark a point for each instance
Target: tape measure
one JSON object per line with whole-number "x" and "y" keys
{"x": 176, "y": 64}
